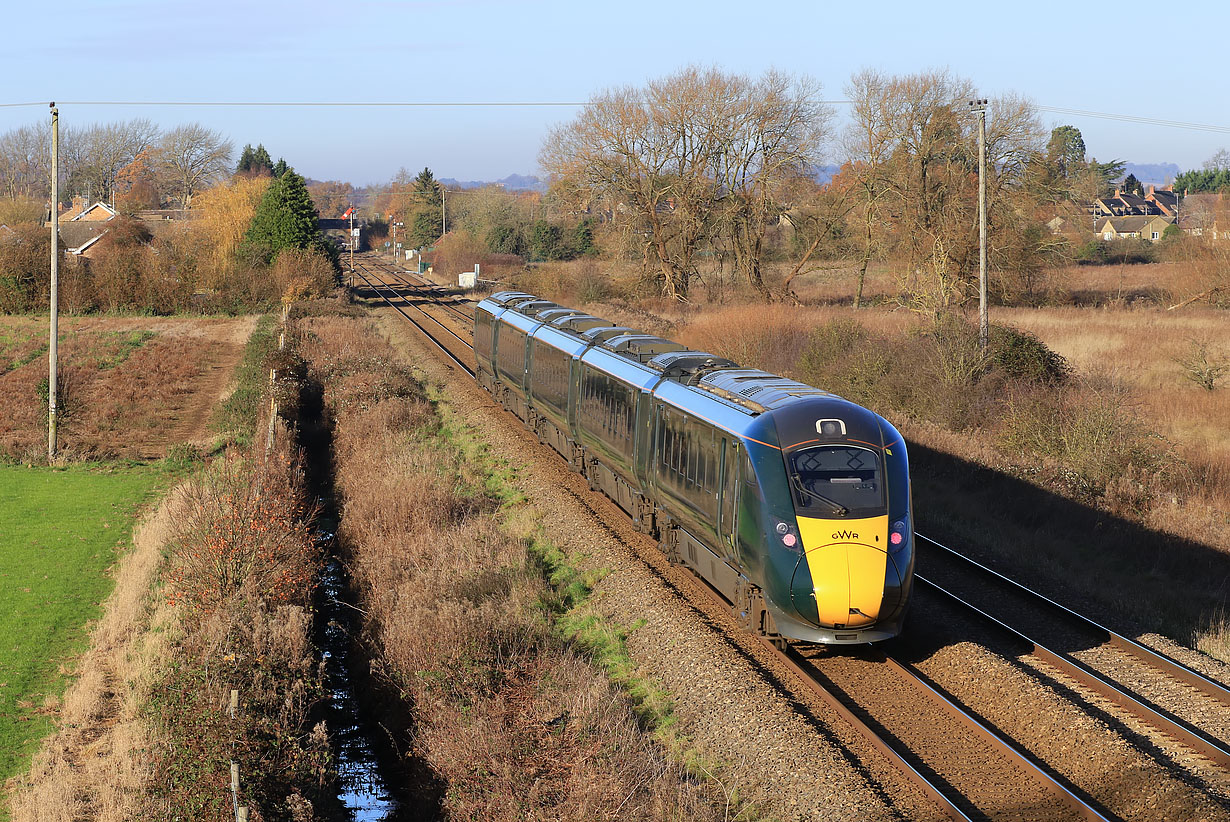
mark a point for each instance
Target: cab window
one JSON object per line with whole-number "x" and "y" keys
{"x": 835, "y": 481}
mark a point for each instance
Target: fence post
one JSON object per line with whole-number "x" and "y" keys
{"x": 235, "y": 788}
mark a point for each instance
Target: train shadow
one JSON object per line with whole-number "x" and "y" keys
{"x": 1124, "y": 575}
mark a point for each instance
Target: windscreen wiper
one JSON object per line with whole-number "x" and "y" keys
{"x": 837, "y": 507}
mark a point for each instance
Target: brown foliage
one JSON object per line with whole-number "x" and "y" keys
{"x": 245, "y": 529}
{"x": 515, "y": 725}
{"x": 303, "y": 274}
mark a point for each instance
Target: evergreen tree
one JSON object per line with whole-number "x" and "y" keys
{"x": 285, "y": 218}
{"x": 426, "y": 217}
{"x": 426, "y": 189}
{"x": 280, "y": 168}
{"x": 261, "y": 160}
{"x": 1066, "y": 151}
{"x": 1133, "y": 186}
{"x": 245, "y": 160}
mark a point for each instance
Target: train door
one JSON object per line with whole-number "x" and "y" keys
{"x": 728, "y": 510}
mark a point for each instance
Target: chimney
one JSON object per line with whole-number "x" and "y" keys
{"x": 1150, "y": 189}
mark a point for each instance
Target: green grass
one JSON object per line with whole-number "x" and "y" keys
{"x": 60, "y": 531}
{"x": 237, "y": 416}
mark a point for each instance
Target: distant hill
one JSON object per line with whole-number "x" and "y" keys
{"x": 513, "y": 182}
{"x": 1157, "y": 174}
{"x": 825, "y": 173}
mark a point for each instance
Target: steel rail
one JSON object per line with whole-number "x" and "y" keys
{"x": 404, "y": 275}
{"x": 1172, "y": 668}
{"x": 464, "y": 366}
{"x": 1049, "y": 783}
{"x": 1159, "y": 719}
{"x": 393, "y": 288}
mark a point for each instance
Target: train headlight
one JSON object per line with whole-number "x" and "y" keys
{"x": 899, "y": 534}
{"x": 788, "y": 536}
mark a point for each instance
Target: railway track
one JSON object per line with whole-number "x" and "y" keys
{"x": 966, "y": 767}
{"x": 1192, "y": 709}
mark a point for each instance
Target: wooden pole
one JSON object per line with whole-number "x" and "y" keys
{"x": 53, "y": 352}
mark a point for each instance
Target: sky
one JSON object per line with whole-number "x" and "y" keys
{"x": 1130, "y": 58}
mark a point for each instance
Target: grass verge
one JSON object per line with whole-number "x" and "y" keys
{"x": 63, "y": 529}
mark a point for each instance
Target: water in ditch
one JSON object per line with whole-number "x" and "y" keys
{"x": 362, "y": 789}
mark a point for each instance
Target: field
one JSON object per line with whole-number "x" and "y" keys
{"x": 130, "y": 387}
{"x": 62, "y": 531}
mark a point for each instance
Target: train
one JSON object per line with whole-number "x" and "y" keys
{"x": 792, "y": 503}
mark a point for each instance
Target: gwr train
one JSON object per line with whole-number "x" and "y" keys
{"x": 790, "y": 501}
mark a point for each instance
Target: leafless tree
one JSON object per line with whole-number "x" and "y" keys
{"x": 917, "y": 144}
{"x": 653, "y": 148}
{"x": 94, "y": 156}
{"x": 25, "y": 161}
{"x": 191, "y": 157}
{"x": 772, "y": 140}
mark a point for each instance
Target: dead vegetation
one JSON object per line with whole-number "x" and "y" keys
{"x": 127, "y": 387}
{"x": 507, "y": 721}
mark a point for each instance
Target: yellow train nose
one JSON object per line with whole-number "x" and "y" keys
{"x": 847, "y": 568}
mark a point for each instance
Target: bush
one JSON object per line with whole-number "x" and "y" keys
{"x": 1020, "y": 355}
{"x": 303, "y": 274}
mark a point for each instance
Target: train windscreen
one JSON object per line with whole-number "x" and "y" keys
{"x": 836, "y": 481}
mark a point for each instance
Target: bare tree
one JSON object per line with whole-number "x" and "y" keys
{"x": 773, "y": 139}
{"x": 25, "y": 161}
{"x": 94, "y": 156}
{"x": 916, "y": 144}
{"x": 656, "y": 150}
{"x": 191, "y": 157}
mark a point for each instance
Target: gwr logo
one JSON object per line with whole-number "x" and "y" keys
{"x": 845, "y": 535}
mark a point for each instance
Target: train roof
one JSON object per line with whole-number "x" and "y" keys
{"x": 751, "y": 390}
{"x": 577, "y": 323}
{"x": 641, "y": 347}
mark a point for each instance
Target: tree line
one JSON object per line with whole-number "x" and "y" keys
{"x": 706, "y": 169}
{"x": 249, "y": 241}
{"x": 132, "y": 160}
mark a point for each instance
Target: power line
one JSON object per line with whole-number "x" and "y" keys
{"x": 1071, "y": 112}
{"x": 1127, "y": 118}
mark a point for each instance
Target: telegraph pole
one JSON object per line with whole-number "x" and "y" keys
{"x": 52, "y": 348}
{"x": 979, "y": 107}
{"x": 350, "y": 211}
{"x": 443, "y": 214}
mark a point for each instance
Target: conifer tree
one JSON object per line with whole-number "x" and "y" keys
{"x": 285, "y": 218}
{"x": 280, "y": 168}
{"x": 426, "y": 217}
{"x": 261, "y": 160}
{"x": 245, "y": 160}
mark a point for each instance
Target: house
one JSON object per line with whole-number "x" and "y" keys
{"x": 1146, "y": 227}
{"x": 1206, "y": 215}
{"x": 1165, "y": 200}
{"x": 79, "y": 237}
{"x": 97, "y": 213}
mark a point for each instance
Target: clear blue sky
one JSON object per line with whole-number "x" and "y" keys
{"x": 1121, "y": 58}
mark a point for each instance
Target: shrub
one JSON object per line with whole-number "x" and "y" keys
{"x": 241, "y": 533}
{"x": 1020, "y": 355}
{"x": 1202, "y": 366}
{"x": 303, "y": 274}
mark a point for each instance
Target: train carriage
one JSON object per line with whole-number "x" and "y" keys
{"x": 790, "y": 501}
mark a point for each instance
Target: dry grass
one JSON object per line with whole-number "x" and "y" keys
{"x": 510, "y": 724}
{"x": 128, "y": 387}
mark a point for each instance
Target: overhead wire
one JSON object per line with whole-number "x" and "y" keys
{"x": 1070, "y": 112}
